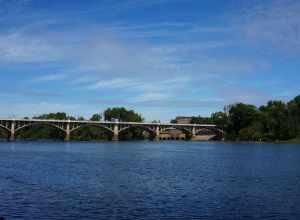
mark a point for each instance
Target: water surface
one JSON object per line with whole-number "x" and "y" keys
{"x": 149, "y": 180}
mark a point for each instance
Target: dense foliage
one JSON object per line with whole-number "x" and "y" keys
{"x": 275, "y": 121}
{"x": 122, "y": 114}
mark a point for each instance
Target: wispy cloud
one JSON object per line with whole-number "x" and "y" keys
{"x": 49, "y": 77}
{"x": 19, "y": 109}
{"x": 43, "y": 94}
{"x": 20, "y": 48}
{"x": 164, "y": 102}
{"x": 114, "y": 84}
{"x": 273, "y": 25}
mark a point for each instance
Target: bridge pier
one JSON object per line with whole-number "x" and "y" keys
{"x": 67, "y": 136}
{"x": 68, "y": 132}
{"x": 193, "y": 138}
{"x": 12, "y": 136}
{"x": 157, "y": 133}
{"x": 115, "y": 133}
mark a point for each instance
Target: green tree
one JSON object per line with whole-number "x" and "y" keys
{"x": 240, "y": 116}
{"x": 96, "y": 117}
{"x": 201, "y": 120}
{"x": 247, "y": 134}
{"x": 80, "y": 118}
{"x": 155, "y": 121}
{"x": 220, "y": 119}
{"x": 57, "y": 116}
{"x": 294, "y": 117}
{"x": 173, "y": 121}
{"x": 275, "y": 120}
{"x": 122, "y": 114}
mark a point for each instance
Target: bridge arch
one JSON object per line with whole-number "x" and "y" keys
{"x": 137, "y": 126}
{"x": 92, "y": 125}
{"x": 4, "y": 128}
{"x": 188, "y": 133}
{"x": 55, "y": 131}
{"x": 136, "y": 132}
{"x": 6, "y": 132}
{"x": 184, "y": 130}
{"x": 215, "y": 133}
{"x": 85, "y": 132}
{"x": 205, "y": 129}
{"x": 39, "y": 124}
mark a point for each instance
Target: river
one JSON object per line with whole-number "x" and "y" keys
{"x": 149, "y": 180}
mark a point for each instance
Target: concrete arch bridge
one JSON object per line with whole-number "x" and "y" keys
{"x": 12, "y": 126}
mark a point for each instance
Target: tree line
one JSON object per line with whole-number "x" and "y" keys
{"x": 275, "y": 121}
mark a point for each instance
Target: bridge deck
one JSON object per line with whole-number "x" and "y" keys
{"x": 106, "y": 122}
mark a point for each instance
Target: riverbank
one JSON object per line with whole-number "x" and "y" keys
{"x": 291, "y": 141}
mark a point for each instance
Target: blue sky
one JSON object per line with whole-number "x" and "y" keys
{"x": 161, "y": 58}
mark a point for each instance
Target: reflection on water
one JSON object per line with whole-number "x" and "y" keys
{"x": 149, "y": 180}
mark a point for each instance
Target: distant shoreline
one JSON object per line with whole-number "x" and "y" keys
{"x": 293, "y": 141}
